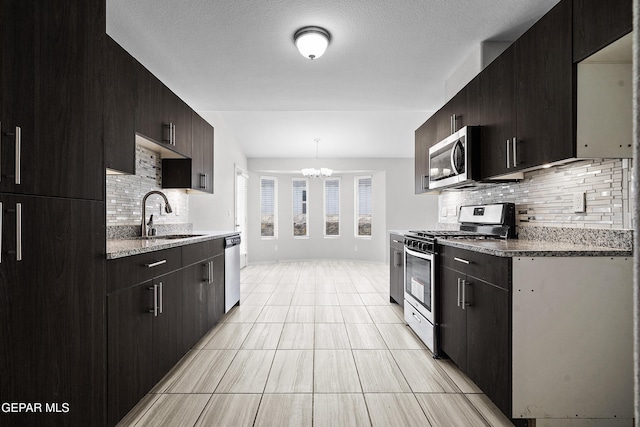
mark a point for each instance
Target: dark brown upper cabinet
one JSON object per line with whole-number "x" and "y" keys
{"x": 426, "y": 136}
{"x": 51, "y": 99}
{"x": 596, "y": 24}
{"x": 162, "y": 116}
{"x": 546, "y": 89}
{"x": 120, "y": 99}
{"x": 195, "y": 173}
{"x": 462, "y": 110}
{"x": 498, "y": 107}
{"x": 527, "y": 112}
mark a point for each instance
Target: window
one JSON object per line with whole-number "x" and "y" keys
{"x": 332, "y": 207}
{"x": 268, "y": 207}
{"x": 363, "y": 206}
{"x": 300, "y": 207}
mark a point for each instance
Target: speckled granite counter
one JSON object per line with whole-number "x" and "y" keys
{"x": 118, "y": 248}
{"x": 532, "y": 248}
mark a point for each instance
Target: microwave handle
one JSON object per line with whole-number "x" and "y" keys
{"x": 451, "y": 159}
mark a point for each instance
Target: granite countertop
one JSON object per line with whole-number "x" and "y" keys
{"x": 532, "y": 248}
{"x": 118, "y": 248}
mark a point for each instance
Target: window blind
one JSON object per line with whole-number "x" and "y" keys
{"x": 332, "y": 207}
{"x": 363, "y": 207}
{"x": 299, "y": 193}
{"x": 268, "y": 190}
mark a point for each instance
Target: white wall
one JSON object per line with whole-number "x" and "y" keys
{"x": 394, "y": 207}
{"x": 217, "y": 211}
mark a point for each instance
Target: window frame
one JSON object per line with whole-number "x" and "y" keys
{"x": 356, "y": 211}
{"x": 304, "y": 203}
{"x": 324, "y": 207}
{"x": 275, "y": 207}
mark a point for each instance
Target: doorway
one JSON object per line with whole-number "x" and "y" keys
{"x": 242, "y": 179}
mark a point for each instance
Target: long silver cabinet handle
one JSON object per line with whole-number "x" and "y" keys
{"x": 464, "y": 261}
{"x": 173, "y": 134}
{"x": 160, "y": 297}
{"x": 416, "y": 317}
{"x": 515, "y": 152}
{"x": 464, "y": 297}
{"x": 211, "y": 270}
{"x": 155, "y": 264}
{"x": 458, "y": 292}
{"x": 203, "y": 180}
{"x": 154, "y": 288}
{"x": 18, "y": 154}
{"x": 508, "y": 162}
{"x": 18, "y": 231}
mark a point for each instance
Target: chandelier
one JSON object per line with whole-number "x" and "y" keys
{"x": 317, "y": 172}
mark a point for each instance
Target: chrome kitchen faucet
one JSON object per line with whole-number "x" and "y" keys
{"x": 167, "y": 208}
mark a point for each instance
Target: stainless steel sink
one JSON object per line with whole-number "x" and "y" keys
{"x": 166, "y": 237}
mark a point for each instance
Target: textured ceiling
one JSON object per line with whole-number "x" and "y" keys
{"x": 238, "y": 57}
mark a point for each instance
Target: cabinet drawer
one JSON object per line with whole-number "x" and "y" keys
{"x": 128, "y": 271}
{"x": 396, "y": 241}
{"x": 491, "y": 269}
{"x": 199, "y": 251}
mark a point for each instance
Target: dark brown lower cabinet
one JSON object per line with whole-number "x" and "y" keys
{"x": 475, "y": 321}
{"x": 203, "y": 299}
{"x": 396, "y": 269}
{"x": 130, "y": 348}
{"x": 144, "y": 339}
{"x": 193, "y": 301}
{"x": 215, "y": 294}
{"x": 51, "y": 310}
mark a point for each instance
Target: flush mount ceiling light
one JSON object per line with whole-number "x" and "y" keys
{"x": 317, "y": 172}
{"x": 311, "y": 41}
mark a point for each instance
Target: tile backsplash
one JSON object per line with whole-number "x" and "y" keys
{"x": 125, "y": 193}
{"x": 545, "y": 197}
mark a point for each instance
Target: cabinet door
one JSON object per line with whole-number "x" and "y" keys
{"x": 426, "y": 136}
{"x": 130, "y": 348}
{"x": 215, "y": 294}
{"x": 193, "y": 303}
{"x": 396, "y": 273}
{"x": 546, "y": 88}
{"x": 51, "y": 305}
{"x": 453, "y": 330}
{"x": 202, "y": 155}
{"x": 464, "y": 106}
{"x": 167, "y": 325}
{"x": 178, "y": 114}
{"x": 120, "y": 101}
{"x": 489, "y": 341}
{"x": 597, "y": 24}
{"x": 497, "y": 111}
{"x": 51, "y": 91}
{"x": 150, "y": 105}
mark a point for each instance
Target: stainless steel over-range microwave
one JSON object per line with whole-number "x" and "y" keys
{"x": 452, "y": 161}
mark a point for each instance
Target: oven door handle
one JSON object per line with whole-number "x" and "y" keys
{"x": 418, "y": 254}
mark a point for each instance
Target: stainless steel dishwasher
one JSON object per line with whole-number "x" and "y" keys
{"x": 231, "y": 271}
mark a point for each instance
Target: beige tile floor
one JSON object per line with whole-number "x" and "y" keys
{"x": 314, "y": 344}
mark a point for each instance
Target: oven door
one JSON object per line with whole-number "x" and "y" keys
{"x": 419, "y": 280}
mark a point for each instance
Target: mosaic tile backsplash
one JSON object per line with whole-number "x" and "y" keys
{"x": 545, "y": 197}
{"x": 125, "y": 193}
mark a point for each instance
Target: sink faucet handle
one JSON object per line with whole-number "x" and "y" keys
{"x": 150, "y": 223}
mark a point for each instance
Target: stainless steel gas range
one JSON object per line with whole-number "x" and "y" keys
{"x": 421, "y": 289}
